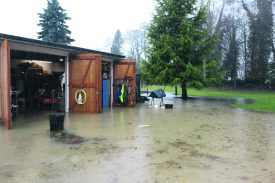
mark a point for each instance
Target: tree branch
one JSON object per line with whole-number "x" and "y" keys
{"x": 220, "y": 18}
{"x": 248, "y": 11}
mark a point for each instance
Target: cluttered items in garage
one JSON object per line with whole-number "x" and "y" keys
{"x": 36, "y": 85}
{"x": 125, "y": 83}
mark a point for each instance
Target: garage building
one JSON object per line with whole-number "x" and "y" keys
{"x": 37, "y": 76}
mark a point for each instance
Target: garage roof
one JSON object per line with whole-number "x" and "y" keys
{"x": 27, "y": 44}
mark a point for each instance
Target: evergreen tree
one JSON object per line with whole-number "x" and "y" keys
{"x": 117, "y": 44}
{"x": 259, "y": 40}
{"x": 271, "y": 74}
{"x": 180, "y": 41}
{"x": 53, "y": 24}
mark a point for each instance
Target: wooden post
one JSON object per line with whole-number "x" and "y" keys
{"x": 1, "y": 92}
{"x": 112, "y": 82}
{"x": 67, "y": 96}
{"x": 5, "y": 80}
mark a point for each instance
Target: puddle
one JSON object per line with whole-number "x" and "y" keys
{"x": 226, "y": 101}
{"x": 198, "y": 141}
{"x": 67, "y": 138}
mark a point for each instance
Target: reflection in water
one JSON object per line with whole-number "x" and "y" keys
{"x": 121, "y": 119}
{"x": 200, "y": 140}
{"x": 226, "y": 100}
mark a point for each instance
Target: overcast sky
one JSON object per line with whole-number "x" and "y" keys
{"x": 93, "y": 23}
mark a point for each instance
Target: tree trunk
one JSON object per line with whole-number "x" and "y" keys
{"x": 176, "y": 90}
{"x": 245, "y": 53}
{"x": 204, "y": 70}
{"x": 184, "y": 94}
{"x": 235, "y": 84}
{"x": 273, "y": 51}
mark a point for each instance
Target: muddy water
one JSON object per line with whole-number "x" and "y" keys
{"x": 199, "y": 141}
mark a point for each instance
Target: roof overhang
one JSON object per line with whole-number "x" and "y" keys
{"x": 38, "y": 46}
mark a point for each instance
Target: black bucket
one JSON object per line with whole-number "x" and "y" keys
{"x": 56, "y": 122}
{"x": 60, "y": 104}
{"x": 168, "y": 106}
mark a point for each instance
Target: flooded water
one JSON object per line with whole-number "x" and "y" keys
{"x": 198, "y": 141}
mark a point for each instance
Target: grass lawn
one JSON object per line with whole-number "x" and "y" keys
{"x": 263, "y": 101}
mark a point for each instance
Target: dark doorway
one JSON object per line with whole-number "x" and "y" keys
{"x": 36, "y": 82}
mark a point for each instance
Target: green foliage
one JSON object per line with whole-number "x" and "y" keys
{"x": 58, "y": 134}
{"x": 213, "y": 75}
{"x": 117, "y": 44}
{"x": 53, "y": 24}
{"x": 179, "y": 41}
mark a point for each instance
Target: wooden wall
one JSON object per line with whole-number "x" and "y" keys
{"x": 5, "y": 97}
{"x": 125, "y": 68}
{"x": 86, "y": 74}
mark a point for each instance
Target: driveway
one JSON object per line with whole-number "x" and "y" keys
{"x": 198, "y": 141}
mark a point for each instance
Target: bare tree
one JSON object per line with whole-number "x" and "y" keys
{"x": 215, "y": 16}
{"x": 245, "y": 56}
{"x": 137, "y": 45}
{"x": 214, "y": 26}
{"x": 231, "y": 47}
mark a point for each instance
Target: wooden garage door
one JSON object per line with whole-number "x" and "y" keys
{"x": 86, "y": 74}
{"x": 123, "y": 71}
{"x": 5, "y": 99}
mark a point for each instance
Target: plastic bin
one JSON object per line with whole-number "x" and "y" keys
{"x": 56, "y": 122}
{"x": 168, "y": 106}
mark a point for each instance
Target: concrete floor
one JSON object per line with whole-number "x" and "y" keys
{"x": 199, "y": 141}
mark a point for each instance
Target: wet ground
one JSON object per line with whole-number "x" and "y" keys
{"x": 198, "y": 141}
